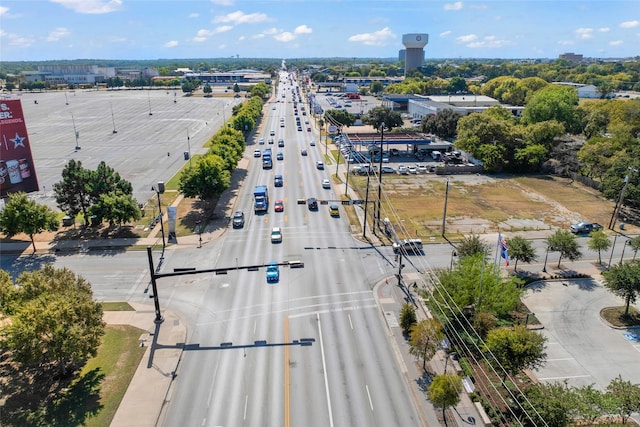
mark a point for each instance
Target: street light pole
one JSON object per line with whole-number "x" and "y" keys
{"x": 380, "y": 176}
{"x": 113, "y": 119}
{"x": 158, "y": 191}
{"x": 154, "y": 287}
{"x": 189, "y": 146}
{"x": 75, "y": 132}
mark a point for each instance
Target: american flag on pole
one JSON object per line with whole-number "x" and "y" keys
{"x": 504, "y": 248}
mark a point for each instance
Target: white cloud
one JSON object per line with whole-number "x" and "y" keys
{"x": 453, "y": 6}
{"x": 377, "y": 38}
{"x": 566, "y": 42}
{"x": 629, "y": 24}
{"x": 57, "y": 34}
{"x": 616, "y": 43}
{"x": 285, "y": 36}
{"x": 258, "y": 36}
{"x": 466, "y": 39}
{"x": 271, "y": 31}
{"x": 3, "y": 10}
{"x": 18, "y": 41}
{"x": 445, "y": 33}
{"x": 488, "y": 42}
{"x": 302, "y": 29}
{"x": 584, "y": 33}
{"x": 223, "y": 2}
{"x": 239, "y": 17}
{"x": 203, "y": 35}
{"x": 193, "y": 15}
{"x": 91, "y": 7}
{"x": 604, "y": 29}
{"x": 171, "y": 43}
{"x": 241, "y": 38}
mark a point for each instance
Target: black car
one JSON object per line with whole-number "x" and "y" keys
{"x": 278, "y": 181}
{"x": 313, "y": 204}
{"x": 238, "y": 219}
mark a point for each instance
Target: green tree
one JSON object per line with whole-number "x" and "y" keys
{"x": 473, "y": 282}
{"x": 105, "y": 180}
{"x": 379, "y": 115}
{"x": 339, "y": 117}
{"x": 444, "y": 391}
{"x": 564, "y": 242}
{"x": 599, "y": 242}
{"x": 54, "y": 320}
{"x": 206, "y": 89}
{"x": 22, "y": 215}
{"x": 554, "y": 102}
{"x": 207, "y": 179}
{"x": 553, "y": 403}
{"x": 407, "y": 318}
{"x": 376, "y": 87}
{"x": 116, "y": 208}
{"x": 625, "y": 396}
{"x": 472, "y": 245}
{"x": 590, "y": 404}
{"x": 516, "y": 349}
{"x": 424, "y": 339}
{"x": 624, "y": 281}
{"x": 261, "y": 90}
{"x": 73, "y": 192}
{"x": 236, "y": 88}
{"x": 520, "y": 249}
{"x": 635, "y": 245}
{"x": 443, "y": 124}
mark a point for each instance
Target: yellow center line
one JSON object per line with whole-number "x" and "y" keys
{"x": 287, "y": 388}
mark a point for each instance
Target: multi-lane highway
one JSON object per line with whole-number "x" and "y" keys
{"x": 244, "y": 363}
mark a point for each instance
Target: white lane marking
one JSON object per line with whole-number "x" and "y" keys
{"x": 255, "y": 325}
{"x": 246, "y": 403}
{"x": 324, "y": 369}
{"x": 350, "y": 322}
{"x": 369, "y": 394}
{"x": 215, "y": 374}
{"x": 333, "y": 310}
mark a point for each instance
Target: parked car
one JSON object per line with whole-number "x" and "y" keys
{"x": 585, "y": 227}
{"x": 238, "y": 219}
{"x": 412, "y": 169}
{"x": 421, "y": 168}
{"x": 388, "y": 169}
{"x": 402, "y": 170}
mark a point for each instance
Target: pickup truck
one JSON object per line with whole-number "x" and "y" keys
{"x": 585, "y": 227}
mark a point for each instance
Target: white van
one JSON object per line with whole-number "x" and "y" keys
{"x": 408, "y": 246}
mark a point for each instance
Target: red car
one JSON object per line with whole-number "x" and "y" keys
{"x": 278, "y": 206}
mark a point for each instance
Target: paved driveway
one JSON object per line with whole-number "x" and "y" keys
{"x": 581, "y": 347}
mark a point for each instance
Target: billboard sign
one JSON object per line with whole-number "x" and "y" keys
{"x": 17, "y": 172}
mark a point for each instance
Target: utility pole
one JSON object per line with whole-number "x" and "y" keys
{"x": 446, "y": 198}
{"x": 377, "y": 222}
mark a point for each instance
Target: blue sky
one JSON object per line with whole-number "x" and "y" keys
{"x": 34, "y": 30}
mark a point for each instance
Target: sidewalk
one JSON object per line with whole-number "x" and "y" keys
{"x": 144, "y": 399}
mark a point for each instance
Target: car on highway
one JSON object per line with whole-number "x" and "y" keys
{"x": 312, "y": 143}
{"x": 319, "y": 165}
{"x": 326, "y": 184}
{"x": 272, "y": 132}
{"x": 584, "y": 227}
{"x": 238, "y": 219}
{"x": 308, "y": 128}
{"x": 276, "y": 235}
{"x": 281, "y": 142}
{"x": 300, "y": 128}
{"x": 271, "y": 141}
{"x": 334, "y": 210}
{"x": 273, "y": 272}
{"x": 278, "y": 206}
{"x": 280, "y": 155}
{"x": 303, "y": 152}
{"x": 257, "y": 153}
{"x": 312, "y": 203}
{"x": 278, "y": 181}
{"x": 261, "y": 141}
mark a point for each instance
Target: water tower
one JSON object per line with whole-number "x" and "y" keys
{"x": 414, "y": 56}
